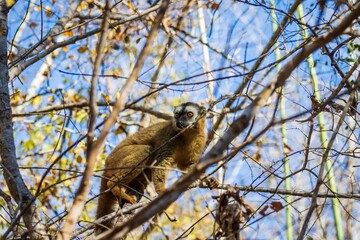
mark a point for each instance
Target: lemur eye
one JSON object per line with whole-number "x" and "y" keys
{"x": 176, "y": 115}
{"x": 189, "y": 114}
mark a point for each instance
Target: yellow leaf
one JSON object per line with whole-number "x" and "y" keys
{"x": 93, "y": 52}
{"x": 80, "y": 115}
{"x": 69, "y": 33}
{"x": 77, "y": 97}
{"x": 67, "y": 184}
{"x": 131, "y": 6}
{"x": 37, "y": 8}
{"x": 65, "y": 48}
{"x": 10, "y": 3}
{"x": 51, "y": 98}
{"x": 82, "y": 49}
{"x": 106, "y": 97}
{"x": 37, "y": 101}
{"x": 84, "y": 5}
{"x": 116, "y": 72}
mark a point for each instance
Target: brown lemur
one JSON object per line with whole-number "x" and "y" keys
{"x": 145, "y": 156}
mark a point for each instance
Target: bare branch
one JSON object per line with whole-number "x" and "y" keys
{"x": 72, "y": 106}
{"x": 324, "y": 159}
{"x": 17, "y": 68}
{"x": 59, "y": 26}
{"x": 298, "y": 193}
{"x": 85, "y": 183}
{"x": 257, "y": 64}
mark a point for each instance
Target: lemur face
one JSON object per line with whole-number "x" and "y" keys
{"x": 187, "y": 114}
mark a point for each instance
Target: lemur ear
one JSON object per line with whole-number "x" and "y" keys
{"x": 202, "y": 110}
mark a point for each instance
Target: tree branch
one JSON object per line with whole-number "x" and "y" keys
{"x": 119, "y": 105}
{"x": 84, "y": 188}
{"x": 17, "y": 68}
{"x": 324, "y": 159}
{"x": 238, "y": 126}
{"x": 72, "y": 106}
{"x": 257, "y": 64}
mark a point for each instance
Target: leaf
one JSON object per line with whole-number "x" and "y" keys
{"x": 48, "y": 12}
{"x": 29, "y": 145}
{"x": 36, "y": 101}
{"x": 84, "y": 5}
{"x": 33, "y": 25}
{"x": 47, "y": 129}
{"x": 106, "y": 97}
{"x": 215, "y": 6}
{"x": 276, "y": 206}
{"x": 79, "y": 159}
{"x": 69, "y": 33}
{"x": 46, "y": 73}
{"x": 257, "y": 156}
{"x": 263, "y": 210}
{"x": 82, "y": 49}
{"x": 80, "y": 115}
{"x": 9, "y": 3}
{"x": 116, "y": 73}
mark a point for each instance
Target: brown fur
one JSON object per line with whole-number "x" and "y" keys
{"x": 128, "y": 167}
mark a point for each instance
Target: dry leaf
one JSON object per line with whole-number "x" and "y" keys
{"x": 276, "y": 206}
{"x": 215, "y": 6}
{"x": 33, "y": 25}
{"x": 263, "y": 210}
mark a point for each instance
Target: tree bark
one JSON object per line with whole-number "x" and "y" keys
{"x": 13, "y": 178}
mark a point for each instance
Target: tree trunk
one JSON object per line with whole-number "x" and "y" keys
{"x": 11, "y": 171}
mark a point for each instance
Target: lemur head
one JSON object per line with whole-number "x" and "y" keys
{"x": 187, "y": 114}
